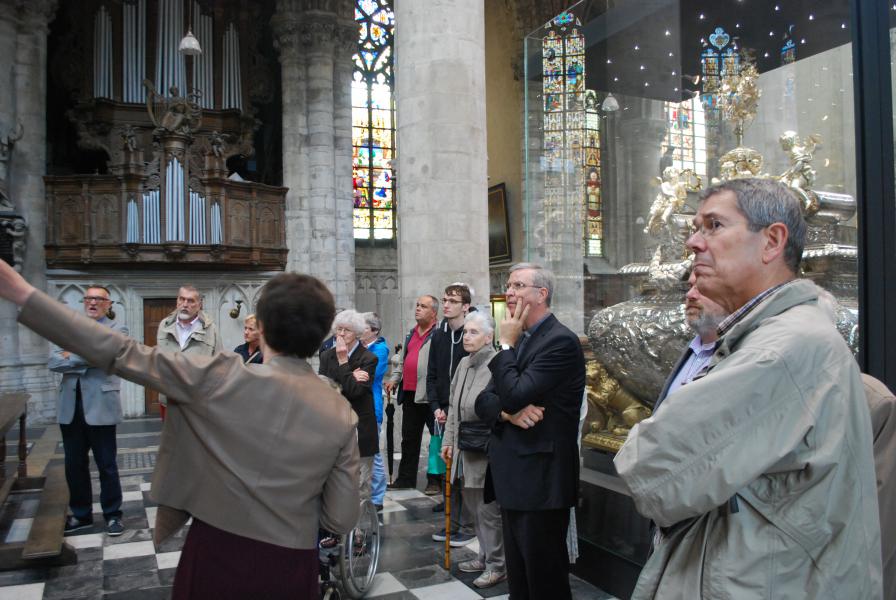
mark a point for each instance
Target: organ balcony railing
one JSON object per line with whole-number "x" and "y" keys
{"x": 127, "y": 218}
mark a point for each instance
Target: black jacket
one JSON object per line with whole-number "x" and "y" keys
{"x": 445, "y": 351}
{"x": 359, "y": 395}
{"x": 536, "y": 468}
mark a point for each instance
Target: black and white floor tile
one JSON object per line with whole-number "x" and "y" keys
{"x": 130, "y": 567}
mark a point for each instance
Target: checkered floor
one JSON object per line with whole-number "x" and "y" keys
{"x": 129, "y": 567}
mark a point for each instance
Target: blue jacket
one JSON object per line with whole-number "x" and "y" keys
{"x": 100, "y": 391}
{"x": 381, "y": 349}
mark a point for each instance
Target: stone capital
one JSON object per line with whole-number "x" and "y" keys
{"x": 287, "y": 38}
{"x": 346, "y": 39}
{"x": 319, "y": 33}
{"x": 34, "y": 14}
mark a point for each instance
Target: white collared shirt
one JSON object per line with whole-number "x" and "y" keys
{"x": 185, "y": 331}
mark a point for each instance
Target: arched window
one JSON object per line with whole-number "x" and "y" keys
{"x": 373, "y": 122}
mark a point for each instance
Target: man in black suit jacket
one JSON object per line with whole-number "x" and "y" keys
{"x": 538, "y": 382}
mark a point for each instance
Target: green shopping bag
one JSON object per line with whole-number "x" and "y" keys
{"x": 436, "y": 464}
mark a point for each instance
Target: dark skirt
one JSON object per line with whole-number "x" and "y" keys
{"x": 221, "y": 565}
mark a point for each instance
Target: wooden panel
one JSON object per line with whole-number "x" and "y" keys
{"x": 154, "y": 311}
{"x": 106, "y": 220}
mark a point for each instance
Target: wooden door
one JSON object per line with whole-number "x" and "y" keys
{"x": 154, "y": 312}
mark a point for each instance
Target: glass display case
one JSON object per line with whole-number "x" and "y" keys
{"x": 632, "y": 109}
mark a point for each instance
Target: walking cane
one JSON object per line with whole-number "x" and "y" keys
{"x": 448, "y": 513}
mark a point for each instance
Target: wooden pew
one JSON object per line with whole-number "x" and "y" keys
{"x": 46, "y": 543}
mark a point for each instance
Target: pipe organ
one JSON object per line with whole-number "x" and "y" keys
{"x": 167, "y": 123}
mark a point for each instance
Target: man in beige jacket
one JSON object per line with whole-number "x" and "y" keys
{"x": 261, "y": 456}
{"x": 188, "y": 329}
{"x": 760, "y": 470}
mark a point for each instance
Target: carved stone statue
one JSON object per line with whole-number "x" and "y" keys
{"x": 16, "y": 230}
{"x": 7, "y": 142}
{"x": 218, "y": 143}
{"x": 129, "y": 138}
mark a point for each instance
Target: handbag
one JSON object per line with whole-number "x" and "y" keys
{"x": 472, "y": 436}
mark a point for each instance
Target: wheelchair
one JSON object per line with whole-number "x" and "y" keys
{"x": 353, "y": 559}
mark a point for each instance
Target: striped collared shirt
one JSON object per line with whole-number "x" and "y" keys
{"x": 738, "y": 315}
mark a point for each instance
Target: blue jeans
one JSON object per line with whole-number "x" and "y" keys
{"x": 378, "y": 482}
{"x": 78, "y": 439}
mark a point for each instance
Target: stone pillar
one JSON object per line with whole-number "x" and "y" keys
{"x": 320, "y": 30}
{"x": 441, "y": 149}
{"x": 346, "y": 46}
{"x": 10, "y": 376}
{"x": 288, "y": 41}
{"x": 316, "y": 79}
{"x": 27, "y": 167}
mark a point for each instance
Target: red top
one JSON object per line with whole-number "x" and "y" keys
{"x": 409, "y": 375}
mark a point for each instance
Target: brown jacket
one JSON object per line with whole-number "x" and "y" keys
{"x": 882, "y": 405}
{"x": 268, "y": 452}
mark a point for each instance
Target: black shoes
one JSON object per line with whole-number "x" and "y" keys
{"x": 401, "y": 484}
{"x": 73, "y": 523}
{"x": 114, "y": 527}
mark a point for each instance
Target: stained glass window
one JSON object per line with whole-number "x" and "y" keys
{"x": 594, "y": 217}
{"x": 373, "y": 122}
{"x": 685, "y": 141}
{"x": 571, "y": 131}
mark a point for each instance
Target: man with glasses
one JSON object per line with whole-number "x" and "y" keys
{"x": 759, "y": 471}
{"x": 537, "y": 389}
{"x": 88, "y": 409}
{"x": 446, "y": 350}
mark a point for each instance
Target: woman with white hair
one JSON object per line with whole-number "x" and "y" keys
{"x": 465, "y": 439}
{"x": 352, "y": 366}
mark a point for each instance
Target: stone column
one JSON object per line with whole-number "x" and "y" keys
{"x": 288, "y": 41}
{"x": 27, "y": 167}
{"x": 320, "y": 30}
{"x": 441, "y": 148}
{"x": 316, "y": 68}
{"x": 346, "y": 46}
{"x": 10, "y": 376}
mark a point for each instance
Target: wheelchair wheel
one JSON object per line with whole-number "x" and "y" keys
{"x": 360, "y": 553}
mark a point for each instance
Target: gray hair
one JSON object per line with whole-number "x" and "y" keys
{"x": 483, "y": 320}
{"x": 373, "y": 321}
{"x": 350, "y": 319}
{"x": 541, "y": 277}
{"x": 764, "y": 202}
{"x": 433, "y": 302}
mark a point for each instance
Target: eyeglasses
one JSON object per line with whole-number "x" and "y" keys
{"x": 710, "y": 226}
{"x": 343, "y": 330}
{"x": 97, "y": 299}
{"x": 519, "y": 285}
{"x": 450, "y": 301}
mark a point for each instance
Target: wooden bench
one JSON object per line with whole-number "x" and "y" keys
{"x": 12, "y": 408}
{"x": 46, "y": 543}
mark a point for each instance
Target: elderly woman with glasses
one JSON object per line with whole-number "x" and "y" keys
{"x": 464, "y": 439}
{"x": 353, "y": 366}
